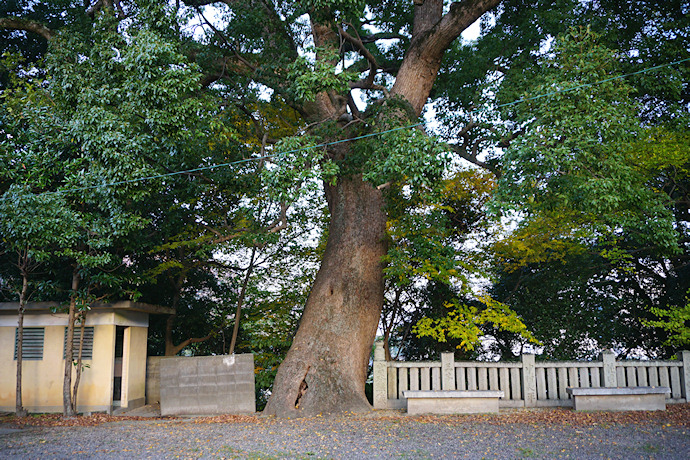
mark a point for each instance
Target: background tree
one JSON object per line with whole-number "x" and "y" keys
{"x": 101, "y": 111}
{"x": 436, "y": 247}
{"x": 344, "y": 71}
{"x": 602, "y": 237}
{"x": 127, "y": 97}
{"x": 33, "y": 227}
{"x": 509, "y": 58}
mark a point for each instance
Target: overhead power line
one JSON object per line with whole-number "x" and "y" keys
{"x": 364, "y": 136}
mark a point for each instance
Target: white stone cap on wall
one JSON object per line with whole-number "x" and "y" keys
{"x": 609, "y": 391}
{"x": 453, "y": 394}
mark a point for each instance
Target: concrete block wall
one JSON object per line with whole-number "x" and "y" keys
{"x": 207, "y": 385}
{"x": 153, "y": 379}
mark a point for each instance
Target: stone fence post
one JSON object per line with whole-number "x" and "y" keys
{"x": 529, "y": 380}
{"x": 609, "y": 378}
{"x": 684, "y": 356}
{"x": 380, "y": 377}
{"x": 448, "y": 371}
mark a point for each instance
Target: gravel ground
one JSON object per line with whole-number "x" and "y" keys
{"x": 349, "y": 437}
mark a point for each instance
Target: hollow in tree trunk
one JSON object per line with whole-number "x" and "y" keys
{"x": 326, "y": 367}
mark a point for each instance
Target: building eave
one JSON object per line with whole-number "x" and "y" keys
{"x": 126, "y": 305}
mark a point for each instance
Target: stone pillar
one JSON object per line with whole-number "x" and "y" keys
{"x": 448, "y": 371}
{"x": 380, "y": 377}
{"x": 529, "y": 380}
{"x": 684, "y": 356}
{"x": 608, "y": 373}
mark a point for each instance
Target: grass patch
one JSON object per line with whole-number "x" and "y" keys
{"x": 650, "y": 448}
{"x": 526, "y": 452}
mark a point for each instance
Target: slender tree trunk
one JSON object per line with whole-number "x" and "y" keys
{"x": 19, "y": 409}
{"x": 77, "y": 378}
{"x": 170, "y": 348}
{"x": 240, "y": 301}
{"x": 386, "y": 345}
{"x": 388, "y": 326}
{"x": 326, "y": 367}
{"x": 67, "y": 409}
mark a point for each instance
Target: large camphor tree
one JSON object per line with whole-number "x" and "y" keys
{"x": 310, "y": 56}
{"x": 351, "y": 77}
{"x": 326, "y": 367}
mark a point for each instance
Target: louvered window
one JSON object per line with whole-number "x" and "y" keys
{"x": 32, "y": 343}
{"x": 87, "y": 351}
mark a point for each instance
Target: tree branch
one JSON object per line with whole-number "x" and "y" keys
{"x": 505, "y": 141}
{"x": 460, "y": 16}
{"x": 383, "y": 36}
{"x": 240, "y": 302}
{"x": 175, "y": 349}
{"x": 373, "y": 65}
{"x": 28, "y": 26}
{"x": 281, "y": 222}
{"x": 365, "y": 84}
{"x": 469, "y": 150}
{"x": 353, "y": 106}
{"x": 422, "y": 62}
{"x": 239, "y": 57}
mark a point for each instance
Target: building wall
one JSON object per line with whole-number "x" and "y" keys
{"x": 42, "y": 380}
{"x": 96, "y": 384}
{"x": 135, "y": 367}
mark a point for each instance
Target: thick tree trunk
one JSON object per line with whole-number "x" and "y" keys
{"x": 326, "y": 367}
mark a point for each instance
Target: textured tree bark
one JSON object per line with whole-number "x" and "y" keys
{"x": 19, "y": 409}
{"x": 27, "y": 25}
{"x": 326, "y": 367}
{"x": 67, "y": 408}
{"x": 80, "y": 352}
{"x": 240, "y": 302}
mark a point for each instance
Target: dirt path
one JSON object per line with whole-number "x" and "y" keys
{"x": 509, "y": 435}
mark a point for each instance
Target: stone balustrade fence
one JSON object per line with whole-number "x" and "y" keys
{"x": 526, "y": 383}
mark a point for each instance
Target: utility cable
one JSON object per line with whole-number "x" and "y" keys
{"x": 364, "y": 136}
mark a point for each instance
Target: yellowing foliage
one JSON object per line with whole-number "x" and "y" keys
{"x": 463, "y": 322}
{"x": 662, "y": 149}
{"x": 550, "y": 236}
{"x": 676, "y": 320}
